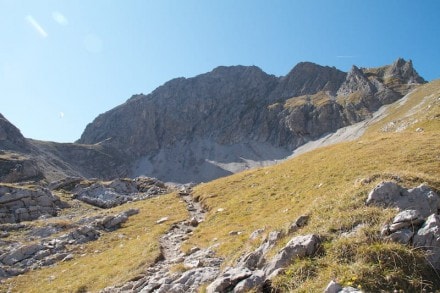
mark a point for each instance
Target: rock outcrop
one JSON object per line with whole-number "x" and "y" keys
{"x": 417, "y": 222}
{"x": 113, "y": 193}
{"x": 16, "y": 168}
{"x": 254, "y": 271}
{"x": 19, "y": 204}
{"x": 17, "y": 258}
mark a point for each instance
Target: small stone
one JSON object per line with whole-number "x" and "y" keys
{"x": 194, "y": 222}
{"x": 254, "y": 235}
{"x": 333, "y": 287}
{"x": 220, "y": 210}
{"x": 193, "y": 249}
{"x": 68, "y": 257}
{"x": 162, "y": 220}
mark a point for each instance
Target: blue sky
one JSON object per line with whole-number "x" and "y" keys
{"x": 64, "y": 62}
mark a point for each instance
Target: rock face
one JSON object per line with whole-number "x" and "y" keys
{"x": 232, "y": 118}
{"x": 25, "y": 204}
{"x": 18, "y": 168}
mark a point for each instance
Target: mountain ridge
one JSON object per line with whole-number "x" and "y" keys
{"x": 230, "y": 108}
{"x": 216, "y": 123}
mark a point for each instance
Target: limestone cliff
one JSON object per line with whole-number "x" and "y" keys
{"x": 200, "y": 128}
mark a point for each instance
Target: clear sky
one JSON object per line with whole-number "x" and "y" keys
{"x": 64, "y": 62}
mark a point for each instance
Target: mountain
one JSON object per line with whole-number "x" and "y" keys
{"x": 232, "y": 118}
{"x": 212, "y": 125}
{"x": 359, "y": 215}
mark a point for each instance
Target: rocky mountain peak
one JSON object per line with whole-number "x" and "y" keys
{"x": 356, "y": 81}
{"x": 204, "y": 127}
{"x": 404, "y": 71}
{"x": 308, "y": 78}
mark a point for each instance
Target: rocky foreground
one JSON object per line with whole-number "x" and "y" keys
{"x": 416, "y": 223}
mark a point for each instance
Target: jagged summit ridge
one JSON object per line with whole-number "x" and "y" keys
{"x": 234, "y": 116}
{"x": 405, "y": 71}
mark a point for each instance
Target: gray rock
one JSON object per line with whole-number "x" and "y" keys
{"x": 25, "y": 204}
{"x": 333, "y": 287}
{"x": 406, "y": 219}
{"x": 119, "y": 191}
{"x": 254, "y": 235}
{"x": 403, "y": 236}
{"x": 255, "y": 259}
{"x": 389, "y": 194}
{"x": 20, "y": 254}
{"x": 300, "y": 222}
{"x": 192, "y": 279}
{"x": 428, "y": 238}
{"x": 299, "y": 246}
{"x": 67, "y": 183}
{"x": 228, "y": 279}
{"x": 255, "y": 281}
{"x": 162, "y": 220}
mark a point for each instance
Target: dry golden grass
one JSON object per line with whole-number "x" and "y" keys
{"x": 318, "y": 100}
{"x": 112, "y": 259}
{"x": 326, "y": 184}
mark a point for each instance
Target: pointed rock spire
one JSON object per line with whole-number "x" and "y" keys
{"x": 354, "y": 82}
{"x": 404, "y": 71}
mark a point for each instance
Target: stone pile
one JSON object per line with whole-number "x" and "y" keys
{"x": 254, "y": 271}
{"x": 119, "y": 191}
{"x": 19, "y": 203}
{"x": 417, "y": 222}
{"x": 16, "y": 259}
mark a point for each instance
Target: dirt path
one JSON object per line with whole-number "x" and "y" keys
{"x": 159, "y": 277}
{"x": 170, "y": 242}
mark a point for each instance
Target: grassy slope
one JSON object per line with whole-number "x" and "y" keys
{"x": 327, "y": 184}
{"x": 112, "y": 259}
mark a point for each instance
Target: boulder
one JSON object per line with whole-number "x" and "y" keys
{"x": 428, "y": 238}
{"x": 389, "y": 194}
{"x": 297, "y": 247}
{"x": 254, "y": 281}
{"x": 21, "y": 253}
{"x": 191, "y": 280}
{"x": 300, "y": 222}
{"x": 228, "y": 280}
{"x": 255, "y": 259}
{"x": 403, "y": 236}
